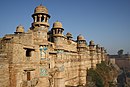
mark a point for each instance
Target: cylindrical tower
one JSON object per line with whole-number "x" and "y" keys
{"x": 19, "y": 29}
{"x": 69, "y": 36}
{"x": 81, "y": 44}
{"x": 92, "y": 53}
{"x": 40, "y": 24}
{"x": 102, "y": 54}
{"x": 57, "y": 33}
{"x": 98, "y": 51}
{"x": 57, "y": 29}
{"x": 40, "y": 17}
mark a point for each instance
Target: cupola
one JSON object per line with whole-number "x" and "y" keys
{"x": 57, "y": 29}
{"x": 40, "y": 17}
{"x": 69, "y": 36}
{"x": 19, "y": 29}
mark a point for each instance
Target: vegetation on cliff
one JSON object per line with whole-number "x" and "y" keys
{"x": 104, "y": 75}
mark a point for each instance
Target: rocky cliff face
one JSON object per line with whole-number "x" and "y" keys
{"x": 105, "y": 75}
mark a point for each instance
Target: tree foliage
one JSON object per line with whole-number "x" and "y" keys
{"x": 120, "y": 52}
{"x": 96, "y": 78}
{"x": 102, "y": 75}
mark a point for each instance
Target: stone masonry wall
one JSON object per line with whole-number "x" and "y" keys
{"x": 4, "y": 72}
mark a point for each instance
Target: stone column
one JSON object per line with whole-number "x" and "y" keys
{"x": 56, "y": 31}
{"x": 35, "y": 18}
{"x": 45, "y": 18}
{"x": 40, "y": 16}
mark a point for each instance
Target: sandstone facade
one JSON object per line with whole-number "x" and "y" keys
{"x": 46, "y": 58}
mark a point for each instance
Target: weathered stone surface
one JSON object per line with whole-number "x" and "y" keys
{"x": 42, "y": 58}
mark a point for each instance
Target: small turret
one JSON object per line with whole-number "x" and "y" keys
{"x": 91, "y": 45}
{"x": 19, "y": 29}
{"x": 98, "y": 48}
{"x": 57, "y": 29}
{"x": 81, "y": 43}
{"x": 40, "y": 17}
{"x": 69, "y": 36}
{"x": 92, "y": 53}
{"x": 98, "y": 51}
{"x": 102, "y": 53}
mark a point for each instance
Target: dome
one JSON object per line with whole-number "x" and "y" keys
{"x": 20, "y": 29}
{"x": 69, "y": 34}
{"x": 41, "y": 9}
{"x": 91, "y": 42}
{"x": 80, "y": 37}
{"x": 57, "y": 24}
{"x": 98, "y": 46}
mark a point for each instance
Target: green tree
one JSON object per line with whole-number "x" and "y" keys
{"x": 120, "y": 52}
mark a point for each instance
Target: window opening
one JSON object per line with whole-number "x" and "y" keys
{"x": 28, "y": 52}
{"x": 28, "y": 76}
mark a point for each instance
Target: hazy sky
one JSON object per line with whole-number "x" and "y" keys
{"x": 107, "y": 22}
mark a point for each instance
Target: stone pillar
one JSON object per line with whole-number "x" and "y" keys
{"x": 35, "y": 18}
{"x": 45, "y": 18}
{"x": 40, "y": 16}
{"x": 56, "y": 31}
{"x": 60, "y": 31}
{"x": 53, "y": 31}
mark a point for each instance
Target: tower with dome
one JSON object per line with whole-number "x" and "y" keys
{"x": 45, "y": 57}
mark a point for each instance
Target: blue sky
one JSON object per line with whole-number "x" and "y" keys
{"x": 107, "y": 22}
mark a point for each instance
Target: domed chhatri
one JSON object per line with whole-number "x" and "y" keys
{"x": 91, "y": 43}
{"x": 57, "y": 29}
{"x": 19, "y": 29}
{"x": 80, "y": 37}
{"x": 40, "y": 17}
{"x": 69, "y": 34}
{"x": 57, "y": 24}
{"x": 41, "y": 9}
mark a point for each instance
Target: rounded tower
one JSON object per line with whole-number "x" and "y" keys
{"x": 81, "y": 43}
{"x": 92, "y": 54}
{"x": 102, "y": 54}
{"x": 57, "y": 29}
{"x": 69, "y": 36}
{"x": 40, "y": 17}
{"x": 98, "y": 51}
{"x": 19, "y": 29}
{"x": 40, "y": 24}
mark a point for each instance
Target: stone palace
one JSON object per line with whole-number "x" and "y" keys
{"x": 46, "y": 58}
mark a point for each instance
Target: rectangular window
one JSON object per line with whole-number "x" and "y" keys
{"x": 28, "y": 52}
